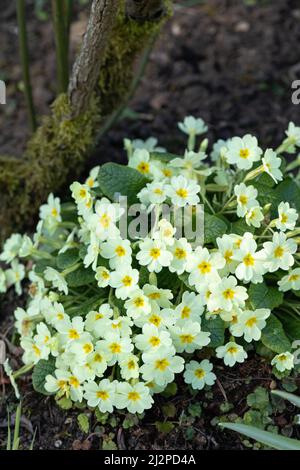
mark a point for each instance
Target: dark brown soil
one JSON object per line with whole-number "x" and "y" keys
{"x": 229, "y": 63}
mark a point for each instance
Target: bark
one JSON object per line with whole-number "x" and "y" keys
{"x": 101, "y": 78}
{"x": 87, "y": 65}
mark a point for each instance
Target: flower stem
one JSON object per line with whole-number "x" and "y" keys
{"x": 61, "y": 43}
{"x": 24, "y": 56}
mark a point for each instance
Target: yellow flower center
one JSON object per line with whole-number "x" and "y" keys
{"x": 249, "y": 260}
{"x": 62, "y": 384}
{"x": 154, "y": 341}
{"x": 232, "y": 350}
{"x": 204, "y": 267}
{"x": 74, "y": 382}
{"x": 87, "y": 348}
{"x": 83, "y": 193}
{"x": 161, "y": 364}
{"x": 243, "y": 199}
{"x": 187, "y": 339}
{"x": 54, "y": 212}
{"x": 133, "y": 396}
{"x": 278, "y": 252}
{"x": 98, "y": 316}
{"x": 185, "y": 312}
{"x": 98, "y": 357}
{"x": 228, "y": 255}
{"x": 155, "y": 320}
{"x": 127, "y": 281}
{"x": 143, "y": 167}
{"x": 131, "y": 365}
{"x": 154, "y": 296}
{"x": 60, "y": 316}
{"x": 120, "y": 251}
{"x": 105, "y": 275}
{"x": 251, "y": 322}
{"x": 139, "y": 302}
{"x": 115, "y": 348}
{"x": 36, "y": 350}
{"x": 182, "y": 192}
{"x": 180, "y": 253}
{"x": 90, "y": 182}
{"x": 284, "y": 218}
{"x": 199, "y": 373}
{"x": 244, "y": 153}
{"x": 158, "y": 191}
{"x": 73, "y": 334}
{"x": 155, "y": 253}
{"x": 294, "y": 277}
{"x": 282, "y": 357}
{"x": 105, "y": 220}
{"x": 167, "y": 173}
{"x": 228, "y": 294}
{"x": 102, "y": 394}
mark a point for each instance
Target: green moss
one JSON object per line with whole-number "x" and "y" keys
{"x": 128, "y": 40}
{"x": 57, "y": 151}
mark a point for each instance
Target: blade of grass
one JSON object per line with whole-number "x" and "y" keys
{"x": 8, "y": 445}
{"x": 24, "y": 57}
{"x": 288, "y": 396}
{"x": 16, "y": 440}
{"x": 61, "y": 40}
{"x": 68, "y": 6}
{"x": 265, "y": 437}
{"x": 33, "y": 439}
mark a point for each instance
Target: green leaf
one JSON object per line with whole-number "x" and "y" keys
{"x": 286, "y": 191}
{"x": 169, "y": 410}
{"x": 263, "y": 296}
{"x": 167, "y": 280}
{"x": 213, "y": 227}
{"x": 81, "y": 277}
{"x": 67, "y": 259}
{"x": 274, "y": 337}
{"x": 119, "y": 179}
{"x": 265, "y": 437}
{"x": 184, "y": 277}
{"x": 170, "y": 390}
{"x": 164, "y": 157}
{"x": 259, "y": 399}
{"x": 240, "y": 227}
{"x": 291, "y": 325}
{"x": 216, "y": 327}
{"x": 101, "y": 417}
{"x": 40, "y": 371}
{"x": 164, "y": 428}
{"x": 287, "y": 396}
{"x": 83, "y": 422}
{"x": 195, "y": 410}
{"x": 64, "y": 403}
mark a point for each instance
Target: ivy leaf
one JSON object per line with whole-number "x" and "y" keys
{"x": 213, "y": 227}
{"x": 40, "y": 371}
{"x": 263, "y": 296}
{"x": 67, "y": 259}
{"x": 81, "y": 277}
{"x": 274, "y": 337}
{"x": 216, "y": 327}
{"x": 119, "y": 179}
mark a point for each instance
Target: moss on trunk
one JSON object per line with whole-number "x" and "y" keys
{"x": 61, "y": 144}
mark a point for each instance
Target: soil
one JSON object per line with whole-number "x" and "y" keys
{"x": 230, "y": 63}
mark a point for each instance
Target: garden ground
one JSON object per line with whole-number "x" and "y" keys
{"x": 232, "y": 65}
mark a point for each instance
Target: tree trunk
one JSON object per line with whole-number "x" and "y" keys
{"x": 116, "y": 35}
